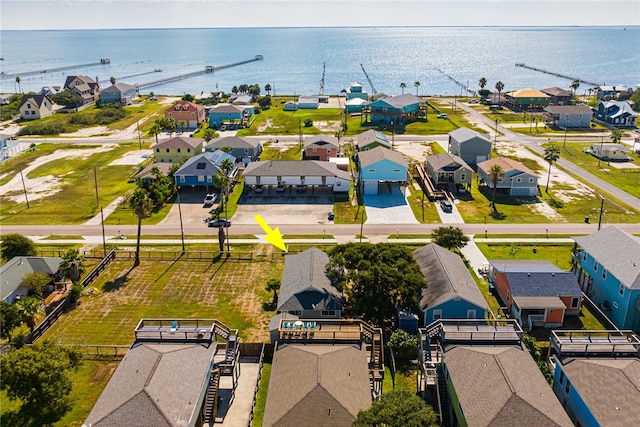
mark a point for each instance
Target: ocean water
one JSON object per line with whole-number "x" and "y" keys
{"x": 293, "y": 62}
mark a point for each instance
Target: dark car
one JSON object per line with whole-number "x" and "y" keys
{"x": 220, "y": 222}
{"x": 446, "y": 205}
{"x": 301, "y": 188}
{"x": 330, "y": 216}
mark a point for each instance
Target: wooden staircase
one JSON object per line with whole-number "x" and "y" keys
{"x": 443, "y": 398}
{"x": 210, "y": 407}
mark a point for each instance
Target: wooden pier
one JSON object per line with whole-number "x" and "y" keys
{"x": 156, "y": 70}
{"x": 553, "y": 73}
{"x": 463, "y": 86}
{"x": 207, "y": 69}
{"x": 103, "y": 61}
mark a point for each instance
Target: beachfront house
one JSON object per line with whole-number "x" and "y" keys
{"x": 595, "y": 376}
{"x": 395, "y": 110}
{"x": 518, "y": 180}
{"x": 568, "y": 116}
{"x": 526, "y": 99}
{"x": 230, "y": 117}
{"x": 615, "y": 152}
{"x": 308, "y": 102}
{"x": 84, "y": 87}
{"x": 177, "y": 149}
{"x": 247, "y": 149}
{"x": 446, "y": 169}
{"x": 356, "y": 91}
{"x": 382, "y": 171}
{"x": 201, "y": 170}
{"x": 558, "y": 96}
{"x": 282, "y": 173}
{"x": 473, "y": 147}
{"x": 607, "y": 92}
{"x": 34, "y": 107}
{"x": 321, "y": 147}
{"x": 119, "y": 93}
{"x": 618, "y": 114}
{"x": 537, "y": 293}
{"x": 187, "y": 115}
{"x": 16, "y": 268}
{"x": 355, "y": 105}
{"x": 452, "y": 293}
{"x": 371, "y": 139}
{"x": 608, "y": 266}
{"x": 290, "y": 106}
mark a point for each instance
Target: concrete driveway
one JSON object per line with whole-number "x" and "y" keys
{"x": 388, "y": 209}
{"x": 192, "y": 207}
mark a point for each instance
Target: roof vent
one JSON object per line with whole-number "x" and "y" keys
{"x": 553, "y": 274}
{"x": 528, "y": 274}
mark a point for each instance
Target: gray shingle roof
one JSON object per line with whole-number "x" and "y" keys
{"x": 438, "y": 161}
{"x": 36, "y": 99}
{"x": 207, "y": 164}
{"x": 502, "y": 386}
{"x": 294, "y": 168}
{"x": 179, "y": 142}
{"x": 616, "y": 251}
{"x": 321, "y": 140}
{"x": 609, "y": 387}
{"x": 540, "y": 284}
{"x": 14, "y": 270}
{"x": 465, "y": 134}
{"x": 156, "y": 384}
{"x": 317, "y": 385}
{"x": 524, "y": 266}
{"x": 401, "y": 101}
{"x": 556, "y": 91}
{"x": 374, "y": 155}
{"x": 447, "y": 277}
{"x": 369, "y": 137}
{"x": 233, "y": 142}
{"x": 305, "y": 285}
{"x": 569, "y": 109}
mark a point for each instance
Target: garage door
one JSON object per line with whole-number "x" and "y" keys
{"x": 523, "y": 191}
{"x": 371, "y": 187}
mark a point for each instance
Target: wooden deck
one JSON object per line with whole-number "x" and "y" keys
{"x": 607, "y": 343}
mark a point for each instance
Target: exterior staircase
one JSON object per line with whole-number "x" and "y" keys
{"x": 211, "y": 399}
{"x": 443, "y": 398}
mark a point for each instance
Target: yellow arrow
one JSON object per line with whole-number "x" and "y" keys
{"x": 273, "y": 236}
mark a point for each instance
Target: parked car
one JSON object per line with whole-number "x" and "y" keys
{"x": 210, "y": 199}
{"x": 330, "y": 216}
{"x": 301, "y": 188}
{"x": 259, "y": 189}
{"x": 446, "y": 206}
{"x": 280, "y": 188}
{"x": 442, "y": 116}
{"x": 220, "y": 222}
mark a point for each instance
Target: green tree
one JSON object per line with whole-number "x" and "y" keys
{"x": 495, "y": 175}
{"x": 227, "y": 149}
{"x": 482, "y": 82}
{"x": 499, "y": 87}
{"x": 308, "y": 123}
{"x": 575, "y": 84}
{"x": 551, "y": 154}
{"x": 168, "y": 124}
{"x": 14, "y": 245}
{"x": 273, "y": 285}
{"x": 188, "y": 97}
{"x": 36, "y": 282}
{"x": 403, "y": 86}
{"x": 254, "y": 90}
{"x": 243, "y": 88}
{"x": 10, "y": 318}
{"x": 402, "y": 340}
{"x": 155, "y": 130}
{"x": 209, "y": 134}
{"x": 223, "y": 181}
{"x": 29, "y": 308}
{"x": 112, "y": 80}
{"x": 449, "y": 237}
{"x": 267, "y": 88}
{"x": 67, "y": 99}
{"x": 235, "y": 90}
{"x": 18, "y": 80}
{"x": 73, "y": 266}
{"x": 38, "y": 376}
{"x": 399, "y": 408}
{"x": 616, "y": 136}
{"x": 141, "y": 204}
{"x": 182, "y": 125}
{"x": 264, "y": 101}
{"x": 417, "y": 85}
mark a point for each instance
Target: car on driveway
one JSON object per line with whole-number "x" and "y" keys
{"x": 442, "y": 116}
{"x": 280, "y": 188}
{"x": 301, "y": 188}
{"x": 210, "y": 199}
{"x": 446, "y": 206}
{"x": 220, "y": 222}
{"x": 259, "y": 189}
{"x": 330, "y": 216}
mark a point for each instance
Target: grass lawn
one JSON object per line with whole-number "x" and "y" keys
{"x": 76, "y": 202}
{"x": 405, "y": 378}
{"x": 558, "y": 254}
{"x": 346, "y": 209}
{"x": 585, "y": 321}
{"x": 230, "y": 291}
{"x": 261, "y": 397}
{"x": 424, "y": 210}
{"x": 276, "y": 121}
{"x": 273, "y": 152}
{"x": 588, "y": 205}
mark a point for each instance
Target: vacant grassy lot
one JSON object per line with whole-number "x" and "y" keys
{"x": 557, "y": 253}
{"x": 230, "y": 291}
{"x": 76, "y": 202}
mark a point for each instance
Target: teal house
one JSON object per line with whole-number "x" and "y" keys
{"x": 452, "y": 292}
{"x": 381, "y": 168}
{"x": 608, "y": 271}
{"x": 395, "y": 109}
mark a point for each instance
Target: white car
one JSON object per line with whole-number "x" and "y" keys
{"x": 442, "y": 116}
{"x": 210, "y": 199}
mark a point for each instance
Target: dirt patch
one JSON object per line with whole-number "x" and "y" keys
{"x": 92, "y": 131}
{"x": 546, "y": 210}
{"x": 326, "y": 126}
{"x": 267, "y": 125}
{"x": 415, "y": 150}
{"x": 132, "y": 158}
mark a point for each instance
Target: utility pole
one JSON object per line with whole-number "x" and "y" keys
{"x": 104, "y": 240}
{"x": 24, "y": 187}
{"x": 601, "y": 208}
{"x": 181, "y": 227}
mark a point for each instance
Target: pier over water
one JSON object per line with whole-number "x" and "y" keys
{"x": 553, "y": 73}
{"x": 103, "y": 61}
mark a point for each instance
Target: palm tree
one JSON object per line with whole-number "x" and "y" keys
{"x": 18, "y": 80}
{"x": 417, "y": 85}
{"x": 267, "y": 88}
{"x": 112, "y": 80}
{"x": 209, "y": 134}
{"x": 495, "y": 175}
{"x": 155, "y": 129}
{"x": 141, "y": 204}
{"x": 499, "y": 87}
{"x": 403, "y": 86}
{"x": 551, "y": 154}
{"x": 223, "y": 181}
{"x": 273, "y": 285}
{"x": 616, "y": 135}
{"x": 575, "y": 84}
{"x": 482, "y": 83}
{"x": 235, "y": 90}
{"x": 29, "y": 308}
{"x": 72, "y": 266}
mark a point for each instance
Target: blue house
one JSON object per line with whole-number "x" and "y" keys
{"x": 618, "y": 114}
{"x": 452, "y": 293}
{"x": 397, "y": 109}
{"x": 119, "y": 93}
{"x": 597, "y": 381}
{"x": 201, "y": 170}
{"x": 381, "y": 168}
{"x": 608, "y": 267}
{"x": 232, "y": 116}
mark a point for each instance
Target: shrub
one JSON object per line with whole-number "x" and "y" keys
{"x": 50, "y": 127}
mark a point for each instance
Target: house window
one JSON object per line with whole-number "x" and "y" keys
{"x": 471, "y": 314}
{"x": 246, "y": 151}
{"x": 621, "y": 290}
{"x": 328, "y": 150}
{"x": 188, "y": 150}
{"x": 372, "y": 171}
{"x": 178, "y": 150}
{"x": 182, "y": 179}
{"x": 561, "y": 378}
{"x": 518, "y": 179}
{"x": 328, "y": 312}
{"x": 437, "y": 314}
{"x": 396, "y": 170}
{"x": 157, "y": 150}
{"x": 584, "y": 256}
{"x": 209, "y": 179}
{"x": 615, "y": 304}
{"x": 193, "y": 114}
{"x": 567, "y": 387}
{"x": 574, "y": 302}
{"x": 315, "y": 150}
{"x": 531, "y": 180}
{"x": 338, "y": 184}
{"x": 200, "y": 178}
{"x": 167, "y": 150}
{"x": 595, "y": 265}
{"x": 463, "y": 176}
{"x": 604, "y": 273}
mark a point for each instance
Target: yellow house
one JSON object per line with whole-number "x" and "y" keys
{"x": 177, "y": 149}
{"x": 35, "y": 107}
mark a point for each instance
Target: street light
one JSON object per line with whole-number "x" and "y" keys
{"x": 393, "y": 133}
{"x": 495, "y": 139}
{"x": 601, "y": 207}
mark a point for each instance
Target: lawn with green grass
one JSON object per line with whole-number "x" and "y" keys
{"x": 424, "y": 210}
{"x": 558, "y": 254}
{"x": 276, "y": 121}
{"x": 261, "y": 396}
{"x": 271, "y": 151}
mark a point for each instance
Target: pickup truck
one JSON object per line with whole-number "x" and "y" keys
{"x": 209, "y": 199}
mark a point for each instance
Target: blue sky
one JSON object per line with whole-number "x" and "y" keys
{"x": 76, "y": 14}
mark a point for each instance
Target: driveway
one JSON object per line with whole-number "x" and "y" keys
{"x": 191, "y": 207}
{"x": 388, "y": 209}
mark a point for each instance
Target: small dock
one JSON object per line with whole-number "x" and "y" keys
{"x": 464, "y": 87}
{"x": 103, "y": 61}
{"x": 156, "y": 70}
{"x": 206, "y": 69}
{"x": 553, "y": 73}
